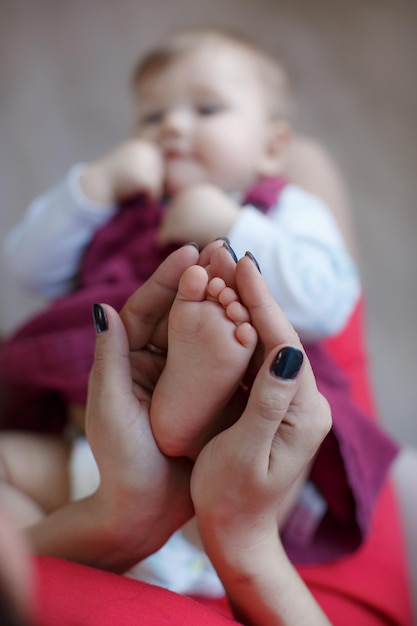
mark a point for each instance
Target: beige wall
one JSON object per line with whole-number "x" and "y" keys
{"x": 63, "y": 98}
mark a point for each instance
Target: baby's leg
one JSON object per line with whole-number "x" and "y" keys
{"x": 33, "y": 475}
{"x": 210, "y": 343}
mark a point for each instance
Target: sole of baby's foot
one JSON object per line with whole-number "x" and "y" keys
{"x": 210, "y": 344}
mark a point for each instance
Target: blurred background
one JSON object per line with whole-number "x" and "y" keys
{"x": 64, "y": 97}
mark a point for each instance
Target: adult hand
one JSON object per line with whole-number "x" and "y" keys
{"x": 143, "y": 497}
{"x": 246, "y": 478}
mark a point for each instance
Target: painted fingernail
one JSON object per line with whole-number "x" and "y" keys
{"x": 287, "y": 363}
{"x": 193, "y": 243}
{"x": 225, "y": 239}
{"x": 100, "y": 318}
{"x": 230, "y": 251}
{"x": 252, "y": 258}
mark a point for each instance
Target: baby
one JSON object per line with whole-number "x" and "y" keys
{"x": 211, "y": 143}
{"x": 207, "y": 159}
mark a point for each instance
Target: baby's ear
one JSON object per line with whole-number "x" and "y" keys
{"x": 277, "y": 148}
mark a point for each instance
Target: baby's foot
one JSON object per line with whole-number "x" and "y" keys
{"x": 210, "y": 344}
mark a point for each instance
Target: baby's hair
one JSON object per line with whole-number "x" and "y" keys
{"x": 272, "y": 74}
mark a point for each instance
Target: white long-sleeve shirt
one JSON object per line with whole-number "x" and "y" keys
{"x": 297, "y": 245}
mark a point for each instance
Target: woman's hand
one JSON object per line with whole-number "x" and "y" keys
{"x": 143, "y": 496}
{"x": 246, "y": 479}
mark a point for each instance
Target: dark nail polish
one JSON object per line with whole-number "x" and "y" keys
{"x": 230, "y": 251}
{"x": 193, "y": 243}
{"x": 252, "y": 258}
{"x": 225, "y": 239}
{"x": 287, "y": 363}
{"x": 100, "y": 318}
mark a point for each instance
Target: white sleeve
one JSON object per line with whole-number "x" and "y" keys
{"x": 45, "y": 248}
{"x": 303, "y": 258}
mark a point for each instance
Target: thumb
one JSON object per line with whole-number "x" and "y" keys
{"x": 271, "y": 396}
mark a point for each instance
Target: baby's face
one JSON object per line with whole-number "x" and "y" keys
{"x": 208, "y": 113}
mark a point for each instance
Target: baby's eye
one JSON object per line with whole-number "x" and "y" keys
{"x": 153, "y": 117}
{"x": 208, "y": 108}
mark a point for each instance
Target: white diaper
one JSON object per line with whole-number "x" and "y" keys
{"x": 181, "y": 565}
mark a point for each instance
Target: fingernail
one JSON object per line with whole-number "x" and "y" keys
{"x": 193, "y": 243}
{"x": 287, "y": 363}
{"x": 252, "y": 258}
{"x": 230, "y": 251}
{"x": 100, "y": 318}
{"x": 225, "y": 239}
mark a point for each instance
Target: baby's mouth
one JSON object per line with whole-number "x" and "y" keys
{"x": 177, "y": 155}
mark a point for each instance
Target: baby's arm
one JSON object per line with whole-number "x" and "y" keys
{"x": 44, "y": 250}
{"x": 304, "y": 261}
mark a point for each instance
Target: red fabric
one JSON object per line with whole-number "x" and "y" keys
{"x": 349, "y": 470}
{"x": 69, "y": 594}
{"x": 349, "y": 351}
{"x": 368, "y": 588}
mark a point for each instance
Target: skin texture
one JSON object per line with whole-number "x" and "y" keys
{"x": 265, "y": 452}
{"x": 210, "y": 345}
{"x": 189, "y": 108}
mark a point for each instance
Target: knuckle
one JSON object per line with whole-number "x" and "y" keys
{"x": 273, "y": 407}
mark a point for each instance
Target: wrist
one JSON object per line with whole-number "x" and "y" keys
{"x": 240, "y": 544}
{"x": 123, "y": 537}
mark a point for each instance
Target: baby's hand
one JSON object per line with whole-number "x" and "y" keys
{"x": 201, "y": 214}
{"x": 135, "y": 167}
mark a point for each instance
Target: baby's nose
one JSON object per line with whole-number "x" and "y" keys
{"x": 176, "y": 121}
